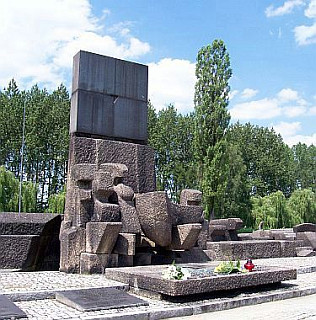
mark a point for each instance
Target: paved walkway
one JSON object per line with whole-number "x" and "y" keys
{"x": 289, "y": 309}
{"x": 34, "y": 294}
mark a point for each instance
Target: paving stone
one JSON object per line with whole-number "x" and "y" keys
{"x": 98, "y": 299}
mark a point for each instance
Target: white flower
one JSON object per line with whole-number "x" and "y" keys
{"x": 176, "y": 273}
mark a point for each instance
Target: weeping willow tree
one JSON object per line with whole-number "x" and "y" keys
{"x": 9, "y": 193}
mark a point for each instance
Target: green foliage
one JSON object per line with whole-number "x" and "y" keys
{"x": 46, "y": 137}
{"x": 302, "y": 206}
{"x": 305, "y": 166}
{"x": 228, "y": 267}
{"x": 56, "y": 203}
{"x": 170, "y": 134}
{"x": 211, "y": 120}
{"x": 9, "y": 193}
{"x": 271, "y": 210}
{"x": 269, "y": 161}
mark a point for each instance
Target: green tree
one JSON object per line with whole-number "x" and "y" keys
{"x": 9, "y": 193}
{"x": 235, "y": 199}
{"x": 56, "y": 202}
{"x": 302, "y": 206}
{"x": 46, "y": 137}
{"x": 170, "y": 134}
{"x": 305, "y": 166}
{"x": 270, "y": 209}
{"x": 269, "y": 161}
{"x": 211, "y": 120}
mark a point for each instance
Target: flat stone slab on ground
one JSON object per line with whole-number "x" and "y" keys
{"x": 98, "y": 299}
{"x": 8, "y": 310}
{"x": 150, "y": 278}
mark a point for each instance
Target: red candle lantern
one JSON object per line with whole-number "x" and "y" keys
{"x": 249, "y": 265}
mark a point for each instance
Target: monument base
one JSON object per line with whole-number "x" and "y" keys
{"x": 149, "y": 278}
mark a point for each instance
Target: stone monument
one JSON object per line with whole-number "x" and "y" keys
{"x": 113, "y": 215}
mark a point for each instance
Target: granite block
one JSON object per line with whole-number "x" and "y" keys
{"x": 150, "y": 278}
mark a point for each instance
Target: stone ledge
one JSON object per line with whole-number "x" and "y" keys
{"x": 150, "y": 278}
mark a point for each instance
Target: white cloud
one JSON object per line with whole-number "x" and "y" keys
{"x": 294, "y": 111}
{"x": 287, "y": 94}
{"x": 305, "y": 35}
{"x": 287, "y": 102}
{"x": 248, "y": 93}
{"x": 286, "y": 8}
{"x": 257, "y": 109}
{"x": 308, "y": 140}
{"x": 287, "y": 129}
{"x": 41, "y": 37}
{"x": 310, "y": 11}
{"x": 232, "y": 94}
{"x": 312, "y": 111}
{"x": 290, "y": 133}
{"x": 172, "y": 81}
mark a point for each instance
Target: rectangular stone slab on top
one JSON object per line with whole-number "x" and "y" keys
{"x": 109, "y": 98}
{"x": 150, "y": 278}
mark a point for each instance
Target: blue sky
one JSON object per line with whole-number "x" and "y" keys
{"x": 272, "y": 46}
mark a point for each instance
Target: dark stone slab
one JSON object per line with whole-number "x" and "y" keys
{"x": 29, "y": 241}
{"x": 98, "y": 299}
{"x": 109, "y": 98}
{"x": 150, "y": 278}
{"x": 305, "y": 227}
{"x": 26, "y": 223}
{"x": 8, "y": 310}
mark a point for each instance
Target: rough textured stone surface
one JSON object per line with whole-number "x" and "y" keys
{"x": 305, "y": 227}
{"x": 18, "y": 251}
{"x": 12, "y": 223}
{"x": 109, "y": 97}
{"x": 218, "y": 232}
{"x": 125, "y": 244}
{"x": 129, "y": 216}
{"x": 91, "y": 263}
{"x": 150, "y": 278}
{"x": 153, "y": 212}
{"x": 185, "y": 236}
{"x": 190, "y": 197}
{"x": 29, "y": 241}
{"x": 230, "y": 223}
{"x": 202, "y": 240}
{"x": 73, "y": 243}
{"x": 183, "y": 214}
{"x": 98, "y": 299}
{"x": 101, "y": 236}
{"x": 253, "y": 249}
{"x": 139, "y": 160}
{"x": 91, "y": 198}
{"x": 224, "y": 229}
{"x": 308, "y": 237}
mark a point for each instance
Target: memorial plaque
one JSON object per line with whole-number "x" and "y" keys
{"x": 98, "y": 299}
{"x": 8, "y": 310}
